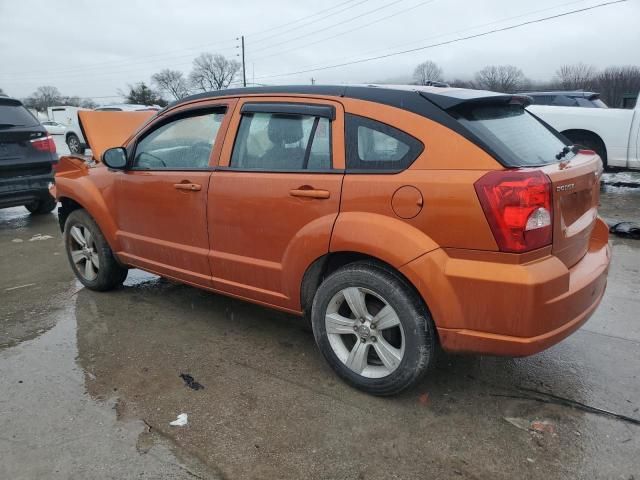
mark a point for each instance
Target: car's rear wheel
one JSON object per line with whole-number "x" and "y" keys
{"x": 73, "y": 142}
{"x": 43, "y": 205}
{"x": 372, "y": 329}
{"x": 89, "y": 253}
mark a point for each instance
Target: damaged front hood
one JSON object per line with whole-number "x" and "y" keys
{"x": 104, "y": 130}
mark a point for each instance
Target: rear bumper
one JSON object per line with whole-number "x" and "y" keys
{"x": 511, "y": 309}
{"x": 23, "y": 190}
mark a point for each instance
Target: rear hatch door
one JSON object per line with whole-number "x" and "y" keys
{"x": 18, "y": 128}
{"x": 576, "y": 192}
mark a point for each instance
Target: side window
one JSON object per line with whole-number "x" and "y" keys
{"x": 182, "y": 144}
{"x": 373, "y": 145}
{"x": 282, "y": 141}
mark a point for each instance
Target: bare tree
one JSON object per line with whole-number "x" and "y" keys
{"x": 577, "y": 76}
{"x": 427, "y": 72}
{"x": 171, "y": 82}
{"x": 43, "y": 98}
{"x": 213, "y": 72}
{"x": 501, "y": 78}
{"x": 614, "y": 83}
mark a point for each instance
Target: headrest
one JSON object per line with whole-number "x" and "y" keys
{"x": 284, "y": 129}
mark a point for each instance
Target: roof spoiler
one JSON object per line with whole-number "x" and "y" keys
{"x": 475, "y": 97}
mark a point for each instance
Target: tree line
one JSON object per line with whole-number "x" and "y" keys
{"x": 215, "y": 72}
{"x": 613, "y": 83}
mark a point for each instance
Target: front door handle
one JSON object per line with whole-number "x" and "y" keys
{"x": 310, "y": 193}
{"x": 192, "y": 187}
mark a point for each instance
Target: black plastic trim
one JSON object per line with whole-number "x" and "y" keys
{"x": 302, "y": 172}
{"x": 324, "y": 111}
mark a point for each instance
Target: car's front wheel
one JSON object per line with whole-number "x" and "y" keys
{"x": 89, "y": 253}
{"x": 372, "y": 329}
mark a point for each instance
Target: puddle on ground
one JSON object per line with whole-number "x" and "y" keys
{"x": 51, "y": 428}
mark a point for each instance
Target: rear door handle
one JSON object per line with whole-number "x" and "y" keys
{"x": 192, "y": 187}
{"x": 309, "y": 193}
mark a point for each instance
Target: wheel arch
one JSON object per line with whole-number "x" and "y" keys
{"x": 80, "y": 193}
{"x": 331, "y": 262}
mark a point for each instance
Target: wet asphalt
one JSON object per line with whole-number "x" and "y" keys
{"x": 90, "y": 381}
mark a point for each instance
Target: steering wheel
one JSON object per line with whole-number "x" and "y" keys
{"x": 152, "y": 156}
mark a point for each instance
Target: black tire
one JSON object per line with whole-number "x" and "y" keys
{"x": 415, "y": 320}
{"x": 110, "y": 274}
{"x": 73, "y": 142}
{"x": 591, "y": 142}
{"x": 45, "y": 204}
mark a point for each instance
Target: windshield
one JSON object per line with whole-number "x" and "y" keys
{"x": 519, "y": 138}
{"x": 16, "y": 115}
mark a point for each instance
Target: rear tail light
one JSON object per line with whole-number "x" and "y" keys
{"x": 44, "y": 144}
{"x": 518, "y": 207}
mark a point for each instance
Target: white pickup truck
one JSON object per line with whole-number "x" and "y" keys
{"x": 613, "y": 133}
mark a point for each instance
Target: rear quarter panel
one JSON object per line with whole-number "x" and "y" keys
{"x": 450, "y": 215}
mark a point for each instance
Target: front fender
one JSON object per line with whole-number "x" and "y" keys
{"x": 391, "y": 240}
{"x": 88, "y": 187}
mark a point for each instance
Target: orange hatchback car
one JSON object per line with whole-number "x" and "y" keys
{"x": 394, "y": 218}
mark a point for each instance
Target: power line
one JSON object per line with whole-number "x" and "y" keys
{"x": 299, "y": 19}
{"x": 448, "y": 42}
{"x": 360, "y": 27}
{"x": 312, "y": 21}
{"x": 163, "y": 55}
{"x": 307, "y": 34}
{"x": 474, "y": 27}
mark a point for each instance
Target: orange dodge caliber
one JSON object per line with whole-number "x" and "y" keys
{"x": 394, "y": 218}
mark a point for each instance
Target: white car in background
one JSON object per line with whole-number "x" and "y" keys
{"x": 613, "y": 133}
{"x": 54, "y": 128}
{"x": 68, "y": 116}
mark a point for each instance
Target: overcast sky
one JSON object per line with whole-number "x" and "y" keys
{"x": 94, "y": 49}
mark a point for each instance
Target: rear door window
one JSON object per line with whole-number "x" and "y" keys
{"x": 372, "y": 145}
{"x": 282, "y": 142}
{"x": 181, "y": 144}
{"x": 519, "y": 138}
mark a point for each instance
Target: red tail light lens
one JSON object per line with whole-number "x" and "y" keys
{"x": 518, "y": 207}
{"x": 44, "y": 144}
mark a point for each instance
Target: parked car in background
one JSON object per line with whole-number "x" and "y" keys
{"x": 27, "y": 156}
{"x": 54, "y": 128}
{"x": 68, "y": 116}
{"x": 575, "y": 98}
{"x": 394, "y": 218}
{"x": 614, "y": 133}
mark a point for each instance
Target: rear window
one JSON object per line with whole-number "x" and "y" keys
{"x": 14, "y": 114}
{"x": 513, "y": 133}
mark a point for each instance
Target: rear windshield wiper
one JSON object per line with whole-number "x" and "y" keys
{"x": 7, "y": 125}
{"x": 565, "y": 151}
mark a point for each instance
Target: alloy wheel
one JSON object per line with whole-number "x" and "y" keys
{"x": 83, "y": 251}
{"x": 365, "y": 332}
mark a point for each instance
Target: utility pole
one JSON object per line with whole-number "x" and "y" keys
{"x": 313, "y": 81}
{"x": 244, "y": 71}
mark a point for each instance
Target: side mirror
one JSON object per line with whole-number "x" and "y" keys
{"x": 115, "y": 158}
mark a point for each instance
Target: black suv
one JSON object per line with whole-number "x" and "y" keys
{"x": 27, "y": 156}
{"x": 570, "y": 98}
